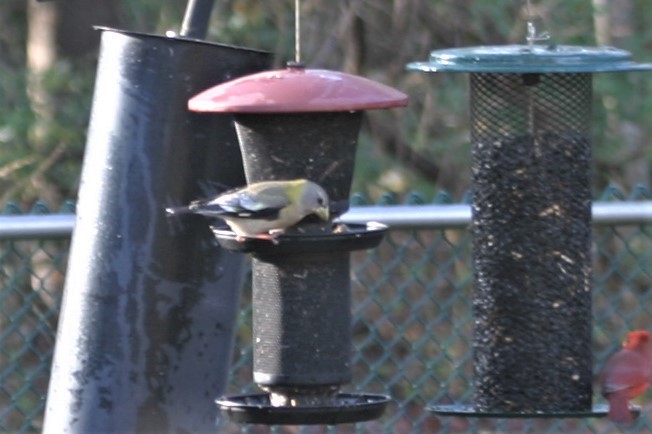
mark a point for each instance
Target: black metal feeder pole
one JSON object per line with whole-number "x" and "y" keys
{"x": 196, "y": 19}
{"x": 531, "y": 225}
{"x": 150, "y": 304}
{"x": 302, "y": 123}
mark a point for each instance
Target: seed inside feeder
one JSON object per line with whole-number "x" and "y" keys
{"x": 531, "y": 206}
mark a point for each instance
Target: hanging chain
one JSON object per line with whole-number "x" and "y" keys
{"x": 297, "y": 31}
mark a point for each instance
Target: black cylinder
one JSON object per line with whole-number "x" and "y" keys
{"x": 302, "y": 320}
{"x": 531, "y": 242}
{"x": 150, "y": 303}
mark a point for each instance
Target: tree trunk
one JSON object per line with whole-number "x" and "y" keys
{"x": 42, "y": 21}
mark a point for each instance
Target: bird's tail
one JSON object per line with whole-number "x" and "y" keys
{"x": 178, "y": 210}
{"x": 619, "y": 411}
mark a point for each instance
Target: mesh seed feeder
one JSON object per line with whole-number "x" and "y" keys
{"x": 531, "y": 152}
{"x": 301, "y": 123}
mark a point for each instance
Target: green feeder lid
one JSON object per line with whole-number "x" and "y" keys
{"x": 530, "y": 59}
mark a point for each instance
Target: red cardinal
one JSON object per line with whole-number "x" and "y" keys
{"x": 627, "y": 375}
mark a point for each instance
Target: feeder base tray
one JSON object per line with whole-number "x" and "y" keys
{"x": 354, "y": 237}
{"x": 469, "y": 410}
{"x": 347, "y": 408}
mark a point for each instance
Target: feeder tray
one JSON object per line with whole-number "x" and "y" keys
{"x": 465, "y": 410}
{"x": 355, "y": 237}
{"x": 346, "y": 408}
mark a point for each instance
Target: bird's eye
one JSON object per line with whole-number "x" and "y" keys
{"x": 320, "y": 200}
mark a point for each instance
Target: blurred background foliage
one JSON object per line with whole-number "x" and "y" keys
{"x": 50, "y": 52}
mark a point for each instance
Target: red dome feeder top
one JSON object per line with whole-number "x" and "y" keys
{"x": 297, "y": 89}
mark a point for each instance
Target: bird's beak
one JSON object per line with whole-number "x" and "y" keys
{"x": 323, "y": 213}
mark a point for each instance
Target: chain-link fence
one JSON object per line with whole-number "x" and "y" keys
{"x": 412, "y": 323}
{"x": 32, "y": 271}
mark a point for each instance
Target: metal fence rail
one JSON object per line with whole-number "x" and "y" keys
{"x": 20, "y": 227}
{"x": 412, "y": 321}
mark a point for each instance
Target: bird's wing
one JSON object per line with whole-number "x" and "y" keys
{"x": 625, "y": 371}
{"x": 263, "y": 204}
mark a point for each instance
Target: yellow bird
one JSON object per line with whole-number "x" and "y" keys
{"x": 263, "y": 209}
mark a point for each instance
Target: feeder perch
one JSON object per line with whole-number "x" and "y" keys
{"x": 301, "y": 123}
{"x": 531, "y": 217}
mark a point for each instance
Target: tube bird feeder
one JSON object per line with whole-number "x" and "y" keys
{"x": 531, "y": 224}
{"x": 301, "y": 123}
